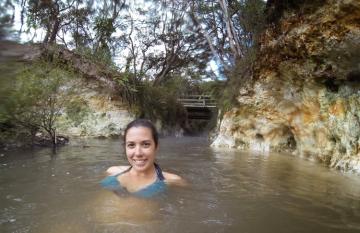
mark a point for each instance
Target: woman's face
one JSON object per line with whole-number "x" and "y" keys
{"x": 140, "y": 148}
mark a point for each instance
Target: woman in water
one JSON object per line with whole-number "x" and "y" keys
{"x": 143, "y": 178}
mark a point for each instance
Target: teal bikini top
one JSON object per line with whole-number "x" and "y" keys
{"x": 159, "y": 186}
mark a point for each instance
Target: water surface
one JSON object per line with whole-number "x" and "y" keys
{"x": 230, "y": 191}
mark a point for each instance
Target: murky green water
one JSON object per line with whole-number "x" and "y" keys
{"x": 230, "y": 191}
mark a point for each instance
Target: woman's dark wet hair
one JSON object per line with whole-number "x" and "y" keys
{"x": 143, "y": 123}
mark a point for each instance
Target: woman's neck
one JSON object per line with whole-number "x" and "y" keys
{"x": 143, "y": 174}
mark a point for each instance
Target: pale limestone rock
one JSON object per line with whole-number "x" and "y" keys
{"x": 107, "y": 115}
{"x": 223, "y": 141}
{"x": 303, "y": 99}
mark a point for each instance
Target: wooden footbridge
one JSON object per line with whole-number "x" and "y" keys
{"x": 199, "y": 107}
{"x": 198, "y": 101}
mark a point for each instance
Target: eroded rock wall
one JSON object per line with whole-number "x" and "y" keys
{"x": 104, "y": 113}
{"x": 305, "y": 94}
{"x": 96, "y": 86}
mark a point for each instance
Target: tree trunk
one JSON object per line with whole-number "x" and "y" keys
{"x": 52, "y": 135}
{"x": 54, "y": 31}
{"x": 233, "y": 41}
{"x": 47, "y": 35}
{"x": 33, "y": 132}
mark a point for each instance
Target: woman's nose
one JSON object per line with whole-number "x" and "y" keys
{"x": 138, "y": 150}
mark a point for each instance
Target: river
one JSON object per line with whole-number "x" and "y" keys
{"x": 229, "y": 191}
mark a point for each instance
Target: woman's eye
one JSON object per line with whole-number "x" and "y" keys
{"x": 130, "y": 145}
{"x": 146, "y": 144}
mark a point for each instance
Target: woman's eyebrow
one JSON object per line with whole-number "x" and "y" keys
{"x": 147, "y": 140}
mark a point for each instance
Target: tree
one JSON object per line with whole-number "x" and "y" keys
{"x": 50, "y": 15}
{"x": 231, "y": 28}
{"x": 154, "y": 37}
{"x": 153, "y": 41}
{"x": 42, "y": 92}
{"x": 7, "y": 15}
{"x": 160, "y": 44}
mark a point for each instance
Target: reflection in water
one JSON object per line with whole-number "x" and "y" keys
{"x": 111, "y": 209}
{"x": 231, "y": 191}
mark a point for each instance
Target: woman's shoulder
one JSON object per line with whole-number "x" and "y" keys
{"x": 171, "y": 178}
{"x": 114, "y": 170}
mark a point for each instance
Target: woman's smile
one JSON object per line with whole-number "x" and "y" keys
{"x": 140, "y": 162}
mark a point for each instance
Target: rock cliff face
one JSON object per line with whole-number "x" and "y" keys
{"x": 304, "y": 95}
{"x": 101, "y": 89}
{"x": 105, "y": 115}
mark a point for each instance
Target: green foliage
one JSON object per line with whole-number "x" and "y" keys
{"x": 253, "y": 20}
{"x": 179, "y": 86}
{"x": 160, "y": 102}
{"x": 6, "y": 85}
{"x": 76, "y": 110}
{"x": 100, "y": 56}
{"x": 40, "y": 12}
{"x": 37, "y": 94}
{"x": 104, "y": 27}
{"x": 226, "y": 91}
{"x": 40, "y": 94}
{"x": 210, "y": 87}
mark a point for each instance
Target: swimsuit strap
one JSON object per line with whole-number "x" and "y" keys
{"x": 123, "y": 172}
{"x": 159, "y": 172}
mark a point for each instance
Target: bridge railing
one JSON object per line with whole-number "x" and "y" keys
{"x": 204, "y": 101}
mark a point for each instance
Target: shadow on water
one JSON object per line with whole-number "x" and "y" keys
{"x": 230, "y": 191}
